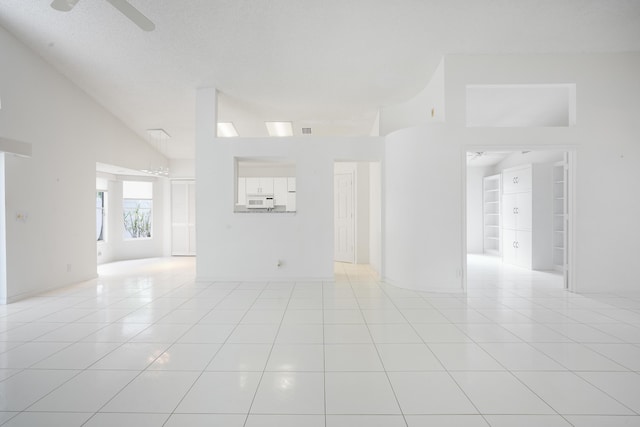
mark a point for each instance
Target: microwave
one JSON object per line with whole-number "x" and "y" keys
{"x": 260, "y": 201}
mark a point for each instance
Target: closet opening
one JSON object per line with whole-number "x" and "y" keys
{"x": 519, "y": 210}
{"x": 357, "y": 223}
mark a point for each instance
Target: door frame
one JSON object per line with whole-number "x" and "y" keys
{"x": 350, "y": 168}
{"x": 570, "y": 282}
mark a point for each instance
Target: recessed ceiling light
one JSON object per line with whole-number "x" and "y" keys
{"x": 158, "y": 134}
{"x": 227, "y": 130}
{"x": 279, "y": 128}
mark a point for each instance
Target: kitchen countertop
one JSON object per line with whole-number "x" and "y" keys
{"x": 275, "y": 210}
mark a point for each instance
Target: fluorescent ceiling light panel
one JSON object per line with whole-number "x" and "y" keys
{"x": 227, "y": 130}
{"x": 158, "y": 134}
{"x": 279, "y": 128}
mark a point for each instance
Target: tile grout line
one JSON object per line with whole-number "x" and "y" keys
{"x": 395, "y": 396}
{"x": 275, "y": 338}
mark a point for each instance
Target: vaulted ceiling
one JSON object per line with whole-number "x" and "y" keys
{"x": 325, "y": 64}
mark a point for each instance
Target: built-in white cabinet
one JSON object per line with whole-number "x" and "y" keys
{"x": 283, "y": 190}
{"x": 491, "y": 214}
{"x": 291, "y": 184}
{"x": 527, "y": 216}
{"x": 183, "y": 218}
{"x": 516, "y": 180}
{"x": 280, "y": 191}
{"x": 517, "y": 211}
{"x": 259, "y": 185}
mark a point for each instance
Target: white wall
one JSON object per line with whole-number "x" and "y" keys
{"x": 605, "y": 139}
{"x": 422, "y": 215}
{"x": 426, "y": 107}
{"x": 274, "y": 171}
{"x": 3, "y": 242}
{"x": 526, "y": 157}
{"x": 475, "y": 226}
{"x": 606, "y": 174}
{"x": 69, "y": 132}
{"x": 247, "y": 246}
{"x": 182, "y": 168}
{"x": 362, "y": 213}
{"x": 375, "y": 216}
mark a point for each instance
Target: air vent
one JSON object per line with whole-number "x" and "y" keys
{"x": 306, "y": 131}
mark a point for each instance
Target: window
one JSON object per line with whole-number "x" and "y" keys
{"x": 137, "y": 201}
{"x": 265, "y": 184}
{"x": 101, "y": 214}
{"x": 532, "y": 105}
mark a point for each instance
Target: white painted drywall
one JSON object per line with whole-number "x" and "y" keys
{"x": 607, "y": 170}
{"x": 426, "y": 107}
{"x": 423, "y": 215}
{"x": 182, "y": 168}
{"x": 3, "y": 242}
{"x": 475, "y": 228}
{"x": 375, "y": 217}
{"x": 55, "y": 188}
{"x": 248, "y": 246}
{"x": 539, "y": 105}
{"x": 605, "y": 139}
{"x": 362, "y": 213}
{"x": 271, "y": 171}
{"x": 528, "y": 157}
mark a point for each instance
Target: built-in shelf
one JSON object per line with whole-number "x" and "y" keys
{"x": 559, "y": 215}
{"x": 491, "y": 209}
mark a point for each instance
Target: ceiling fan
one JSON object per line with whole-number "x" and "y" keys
{"x": 122, "y": 5}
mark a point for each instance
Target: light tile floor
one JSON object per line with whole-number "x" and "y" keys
{"x": 144, "y": 345}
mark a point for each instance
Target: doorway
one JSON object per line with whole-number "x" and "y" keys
{"x": 344, "y": 215}
{"x": 358, "y": 213}
{"x": 519, "y": 213}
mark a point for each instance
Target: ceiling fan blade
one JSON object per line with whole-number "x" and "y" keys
{"x": 63, "y": 5}
{"x": 132, "y": 13}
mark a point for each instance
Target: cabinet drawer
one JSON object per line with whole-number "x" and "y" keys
{"x": 516, "y": 180}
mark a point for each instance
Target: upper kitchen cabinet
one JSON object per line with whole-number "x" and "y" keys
{"x": 265, "y": 185}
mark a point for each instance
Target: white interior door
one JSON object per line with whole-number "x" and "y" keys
{"x": 344, "y": 244}
{"x": 183, "y": 218}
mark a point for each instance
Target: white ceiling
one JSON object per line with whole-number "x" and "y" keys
{"x": 328, "y": 64}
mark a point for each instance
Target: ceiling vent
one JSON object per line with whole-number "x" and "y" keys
{"x": 306, "y": 131}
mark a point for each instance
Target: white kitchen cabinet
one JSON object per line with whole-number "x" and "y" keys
{"x": 259, "y": 185}
{"x": 280, "y": 191}
{"x": 291, "y": 184}
{"x": 527, "y": 216}
{"x": 291, "y": 202}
